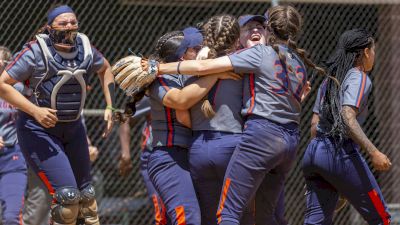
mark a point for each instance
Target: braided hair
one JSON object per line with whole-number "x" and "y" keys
{"x": 348, "y": 54}
{"x": 284, "y": 24}
{"x": 221, "y": 37}
{"x": 165, "y": 50}
{"x": 167, "y": 46}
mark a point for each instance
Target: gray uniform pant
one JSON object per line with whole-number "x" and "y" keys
{"x": 37, "y": 202}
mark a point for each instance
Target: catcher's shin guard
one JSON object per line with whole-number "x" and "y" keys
{"x": 88, "y": 206}
{"x": 65, "y": 208}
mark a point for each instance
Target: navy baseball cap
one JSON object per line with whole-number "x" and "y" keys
{"x": 247, "y": 18}
{"x": 192, "y": 37}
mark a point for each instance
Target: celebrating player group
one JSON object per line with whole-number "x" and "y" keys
{"x": 222, "y": 132}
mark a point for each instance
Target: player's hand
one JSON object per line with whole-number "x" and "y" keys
{"x": 306, "y": 91}
{"x": 380, "y": 161}
{"x": 93, "y": 153}
{"x": 108, "y": 117}
{"x": 145, "y": 64}
{"x": 1, "y": 142}
{"x": 228, "y": 76}
{"x": 45, "y": 116}
{"x": 125, "y": 165}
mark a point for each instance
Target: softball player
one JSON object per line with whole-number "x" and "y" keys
{"x": 270, "y": 137}
{"x": 252, "y": 32}
{"x": 52, "y": 137}
{"x": 332, "y": 163}
{"x": 168, "y": 162}
{"x": 13, "y": 171}
{"x": 143, "y": 107}
{"x": 216, "y": 123}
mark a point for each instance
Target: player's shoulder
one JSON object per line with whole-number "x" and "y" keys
{"x": 257, "y": 47}
{"x": 354, "y": 74}
{"x": 29, "y": 47}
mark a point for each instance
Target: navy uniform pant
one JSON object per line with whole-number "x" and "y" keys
{"x": 265, "y": 147}
{"x": 168, "y": 169}
{"x": 13, "y": 180}
{"x": 160, "y": 215}
{"x": 330, "y": 170}
{"x": 209, "y": 157}
{"x": 59, "y": 155}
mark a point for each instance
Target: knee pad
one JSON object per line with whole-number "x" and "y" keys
{"x": 88, "y": 206}
{"x": 66, "y": 206}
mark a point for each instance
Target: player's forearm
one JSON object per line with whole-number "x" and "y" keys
{"x": 11, "y": 95}
{"x": 107, "y": 83}
{"x": 188, "y": 96}
{"x": 124, "y": 137}
{"x": 197, "y": 67}
{"x": 355, "y": 131}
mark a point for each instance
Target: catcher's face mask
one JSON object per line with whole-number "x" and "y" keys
{"x": 64, "y": 29}
{"x": 65, "y": 38}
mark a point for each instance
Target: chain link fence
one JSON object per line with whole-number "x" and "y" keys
{"x": 115, "y": 26}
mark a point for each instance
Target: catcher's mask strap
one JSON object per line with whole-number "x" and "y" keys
{"x": 192, "y": 37}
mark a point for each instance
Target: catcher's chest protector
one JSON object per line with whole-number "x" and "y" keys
{"x": 63, "y": 84}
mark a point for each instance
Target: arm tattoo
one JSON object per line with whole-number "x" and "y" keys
{"x": 355, "y": 131}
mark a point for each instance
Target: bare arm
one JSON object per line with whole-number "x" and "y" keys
{"x": 125, "y": 164}
{"x": 1, "y": 142}
{"x": 185, "y": 98}
{"x": 379, "y": 160}
{"x": 45, "y": 116}
{"x": 93, "y": 150}
{"x": 314, "y": 123}
{"x": 198, "y": 67}
{"x": 124, "y": 138}
{"x": 11, "y": 95}
{"x": 183, "y": 117}
{"x": 107, "y": 83}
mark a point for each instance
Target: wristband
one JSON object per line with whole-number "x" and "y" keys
{"x": 111, "y": 108}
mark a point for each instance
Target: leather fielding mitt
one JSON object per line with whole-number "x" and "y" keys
{"x": 132, "y": 76}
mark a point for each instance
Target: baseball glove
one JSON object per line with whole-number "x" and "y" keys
{"x": 132, "y": 76}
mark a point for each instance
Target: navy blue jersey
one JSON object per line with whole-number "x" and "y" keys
{"x": 166, "y": 130}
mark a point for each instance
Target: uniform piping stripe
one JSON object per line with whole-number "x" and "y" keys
{"x": 180, "y": 215}
{"x": 163, "y": 213}
{"x": 168, "y": 115}
{"x": 146, "y": 137}
{"x": 157, "y": 215}
{"x": 18, "y": 57}
{"x": 252, "y": 93}
{"x": 223, "y": 198}
{"x": 380, "y": 208}
{"x": 362, "y": 89}
{"x": 170, "y": 126}
{"x": 43, "y": 177}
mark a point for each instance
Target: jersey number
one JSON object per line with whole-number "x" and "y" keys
{"x": 284, "y": 85}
